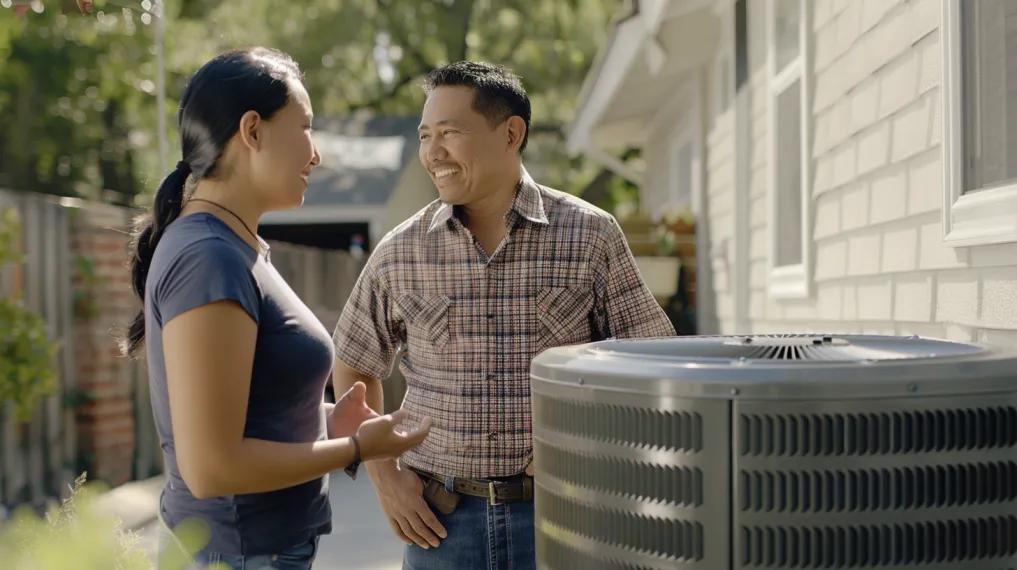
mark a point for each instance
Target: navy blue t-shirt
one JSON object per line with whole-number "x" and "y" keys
{"x": 198, "y": 261}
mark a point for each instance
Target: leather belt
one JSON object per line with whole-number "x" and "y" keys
{"x": 508, "y": 490}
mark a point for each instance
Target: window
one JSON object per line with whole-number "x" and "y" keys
{"x": 980, "y": 121}
{"x": 789, "y": 156}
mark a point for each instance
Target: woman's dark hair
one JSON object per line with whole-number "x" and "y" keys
{"x": 216, "y": 97}
{"x": 497, "y": 92}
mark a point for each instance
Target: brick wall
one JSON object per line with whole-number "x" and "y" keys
{"x": 106, "y": 420}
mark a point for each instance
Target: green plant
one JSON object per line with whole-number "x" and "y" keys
{"x": 86, "y": 305}
{"x": 73, "y": 534}
{"x": 27, "y": 373}
{"x": 77, "y": 533}
{"x": 9, "y": 229}
{"x": 673, "y": 226}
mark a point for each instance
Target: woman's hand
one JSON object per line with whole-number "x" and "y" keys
{"x": 349, "y": 412}
{"x": 381, "y": 438}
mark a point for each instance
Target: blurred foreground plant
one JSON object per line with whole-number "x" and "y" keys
{"x": 79, "y": 534}
{"x": 72, "y": 535}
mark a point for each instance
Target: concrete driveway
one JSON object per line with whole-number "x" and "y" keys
{"x": 360, "y": 536}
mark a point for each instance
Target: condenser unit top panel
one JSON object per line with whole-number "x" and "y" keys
{"x": 784, "y": 366}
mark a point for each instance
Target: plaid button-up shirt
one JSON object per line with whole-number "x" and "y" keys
{"x": 470, "y": 323}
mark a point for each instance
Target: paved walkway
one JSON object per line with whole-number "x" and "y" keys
{"x": 360, "y": 539}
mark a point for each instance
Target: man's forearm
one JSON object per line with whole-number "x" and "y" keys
{"x": 343, "y": 378}
{"x": 375, "y": 397}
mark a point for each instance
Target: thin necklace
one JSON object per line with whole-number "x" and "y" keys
{"x": 231, "y": 212}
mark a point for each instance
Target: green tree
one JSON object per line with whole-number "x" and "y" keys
{"x": 90, "y": 80}
{"x": 372, "y": 54}
{"x": 76, "y": 101}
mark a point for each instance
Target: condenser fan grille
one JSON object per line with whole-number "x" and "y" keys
{"x": 800, "y": 347}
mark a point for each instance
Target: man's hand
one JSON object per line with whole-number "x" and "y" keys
{"x": 85, "y": 6}
{"x": 400, "y": 493}
{"x": 349, "y": 412}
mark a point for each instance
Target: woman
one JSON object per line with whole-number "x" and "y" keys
{"x": 237, "y": 363}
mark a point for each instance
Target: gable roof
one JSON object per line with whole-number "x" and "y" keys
{"x": 362, "y": 159}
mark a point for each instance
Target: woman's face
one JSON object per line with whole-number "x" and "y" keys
{"x": 286, "y": 154}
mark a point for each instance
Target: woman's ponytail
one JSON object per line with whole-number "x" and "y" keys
{"x": 215, "y": 99}
{"x": 148, "y": 231}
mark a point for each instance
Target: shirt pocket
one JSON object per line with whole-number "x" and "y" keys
{"x": 564, "y": 316}
{"x": 427, "y": 320}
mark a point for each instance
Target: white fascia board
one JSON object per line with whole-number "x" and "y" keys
{"x": 601, "y": 88}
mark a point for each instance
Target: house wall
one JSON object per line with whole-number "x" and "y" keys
{"x": 760, "y": 307}
{"x": 877, "y": 188}
{"x": 717, "y": 206}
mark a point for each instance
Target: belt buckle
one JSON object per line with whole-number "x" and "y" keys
{"x": 492, "y": 495}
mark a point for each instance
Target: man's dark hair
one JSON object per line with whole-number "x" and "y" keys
{"x": 497, "y": 92}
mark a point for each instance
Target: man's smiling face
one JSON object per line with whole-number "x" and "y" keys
{"x": 462, "y": 151}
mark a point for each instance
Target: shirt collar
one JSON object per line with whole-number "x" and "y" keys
{"x": 441, "y": 216}
{"x": 529, "y": 204}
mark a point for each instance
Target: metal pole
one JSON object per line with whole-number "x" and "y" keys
{"x": 160, "y": 82}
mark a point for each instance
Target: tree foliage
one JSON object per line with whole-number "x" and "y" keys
{"x": 77, "y": 93}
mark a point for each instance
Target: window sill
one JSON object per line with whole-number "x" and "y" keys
{"x": 983, "y": 218}
{"x": 788, "y": 282}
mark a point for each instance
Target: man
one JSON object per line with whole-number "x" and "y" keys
{"x": 472, "y": 287}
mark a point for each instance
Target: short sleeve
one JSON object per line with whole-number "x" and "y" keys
{"x": 624, "y": 306}
{"x": 365, "y": 337}
{"x": 206, "y": 272}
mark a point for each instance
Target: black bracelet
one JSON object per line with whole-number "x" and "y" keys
{"x": 356, "y": 446}
{"x": 354, "y": 465}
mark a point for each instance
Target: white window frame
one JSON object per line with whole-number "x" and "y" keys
{"x": 790, "y": 281}
{"x": 722, "y": 79}
{"x": 687, "y": 131}
{"x": 682, "y": 137}
{"x": 980, "y": 218}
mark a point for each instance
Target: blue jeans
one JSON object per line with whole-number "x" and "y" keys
{"x": 480, "y": 537}
{"x": 297, "y": 557}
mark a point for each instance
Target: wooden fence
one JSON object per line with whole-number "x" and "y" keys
{"x": 38, "y": 458}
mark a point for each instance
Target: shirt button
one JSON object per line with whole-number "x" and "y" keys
{"x": 490, "y": 315}
{"x": 490, "y": 376}
{"x": 492, "y": 436}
